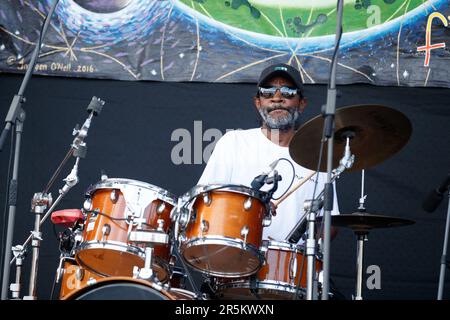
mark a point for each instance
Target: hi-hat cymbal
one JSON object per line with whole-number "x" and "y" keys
{"x": 377, "y": 132}
{"x": 363, "y": 222}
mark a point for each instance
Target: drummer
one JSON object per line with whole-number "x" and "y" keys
{"x": 241, "y": 155}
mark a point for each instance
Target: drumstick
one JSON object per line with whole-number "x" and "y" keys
{"x": 302, "y": 182}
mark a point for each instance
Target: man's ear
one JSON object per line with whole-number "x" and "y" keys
{"x": 302, "y": 104}
{"x": 257, "y": 102}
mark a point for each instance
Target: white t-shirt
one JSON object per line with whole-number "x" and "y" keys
{"x": 241, "y": 155}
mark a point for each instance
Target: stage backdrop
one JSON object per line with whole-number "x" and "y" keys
{"x": 143, "y": 124}
{"x": 385, "y": 42}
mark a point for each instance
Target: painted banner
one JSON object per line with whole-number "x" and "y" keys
{"x": 385, "y": 42}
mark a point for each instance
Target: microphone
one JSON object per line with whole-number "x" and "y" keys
{"x": 260, "y": 180}
{"x": 94, "y": 108}
{"x": 435, "y": 197}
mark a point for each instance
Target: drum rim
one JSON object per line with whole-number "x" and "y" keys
{"x": 115, "y": 183}
{"x": 267, "y": 284}
{"x": 119, "y": 279}
{"x": 236, "y": 188}
{"x": 281, "y": 245}
{"x": 231, "y": 242}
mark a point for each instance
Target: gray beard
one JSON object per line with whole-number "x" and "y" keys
{"x": 289, "y": 121}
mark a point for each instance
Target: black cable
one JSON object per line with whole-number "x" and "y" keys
{"x": 52, "y": 292}
{"x": 5, "y": 218}
{"x": 208, "y": 190}
{"x": 292, "y": 181}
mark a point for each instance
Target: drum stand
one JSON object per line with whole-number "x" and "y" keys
{"x": 149, "y": 238}
{"x": 362, "y": 236}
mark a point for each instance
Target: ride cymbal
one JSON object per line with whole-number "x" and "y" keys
{"x": 376, "y": 133}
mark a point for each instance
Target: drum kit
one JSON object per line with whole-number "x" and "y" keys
{"x": 134, "y": 240}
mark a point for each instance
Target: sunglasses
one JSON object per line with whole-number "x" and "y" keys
{"x": 286, "y": 92}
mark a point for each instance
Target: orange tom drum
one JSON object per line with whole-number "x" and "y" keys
{"x": 221, "y": 232}
{"x": 117, "y": 208}
{"x": 283, "y": 275}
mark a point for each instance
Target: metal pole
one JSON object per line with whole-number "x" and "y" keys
{"x": 329, "y": 113}
{"x": 12, "y": 208}
{"x": 359, "y": 265}
{"x": 16, "y": 116}
{"x": 444, "y": 254}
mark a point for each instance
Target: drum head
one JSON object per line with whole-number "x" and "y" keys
{"x": 120, "y": 289}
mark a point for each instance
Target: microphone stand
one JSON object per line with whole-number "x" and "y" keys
{"x": 308, "y": 220}
{"x": 444, "y": 263}
{"x": 42, "y": 200}
{"x": 16, "y": 117}
{"x": 328, "y": 114}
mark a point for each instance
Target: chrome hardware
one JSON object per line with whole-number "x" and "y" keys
{"x": 161, "y": 208}
{"x": 160, "y": 225}
{"x": 113, "y": 196}
{"x": 204, "y": 226}
{"x": 293, "y": 266}
{"x": 79, "y": 274}
{"x": 207, "y": 199}
{"x": 244, "y": 233}
{"x": 106, "y": 229}
{"x": 248, "y": 204}
{"x": 87, "y": 204}
{"x": 267, "y": 221}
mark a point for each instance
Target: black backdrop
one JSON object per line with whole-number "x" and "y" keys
{"x": 132, "y": 139}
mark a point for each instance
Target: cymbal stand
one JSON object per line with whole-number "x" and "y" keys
{"x": 362, "y": 236}
{"x": 311, "y": 208}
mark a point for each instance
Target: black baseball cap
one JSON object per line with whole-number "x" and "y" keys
{"x": 281, "y": 69}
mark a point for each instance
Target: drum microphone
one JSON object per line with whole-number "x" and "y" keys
{"x": 435, "y": 197}
{"x": 260, "y": 180}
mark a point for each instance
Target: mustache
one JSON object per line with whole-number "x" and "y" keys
{"x": 277, "y": 107}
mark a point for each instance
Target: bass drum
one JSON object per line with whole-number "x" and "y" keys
{"x": 123, "y": 288}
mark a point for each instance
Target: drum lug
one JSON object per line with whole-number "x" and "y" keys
{"x": 91, "y": 281}
{"x": 293, "y": 266}
{"x": 79, "y": 274}
{"x": 244, "y": 233}
{"x": 267, "y": 221}
{"x": 248, "y": 204}
{"x": 161, "y": 208}
{"x": 160, "y": 225}
{"x": 206, "y": 199}
{"x": 106, "y": 229}
{"x": 113, "y": 196}
{"x": 204, "y": 227}
{"x": 87, "y": 205}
